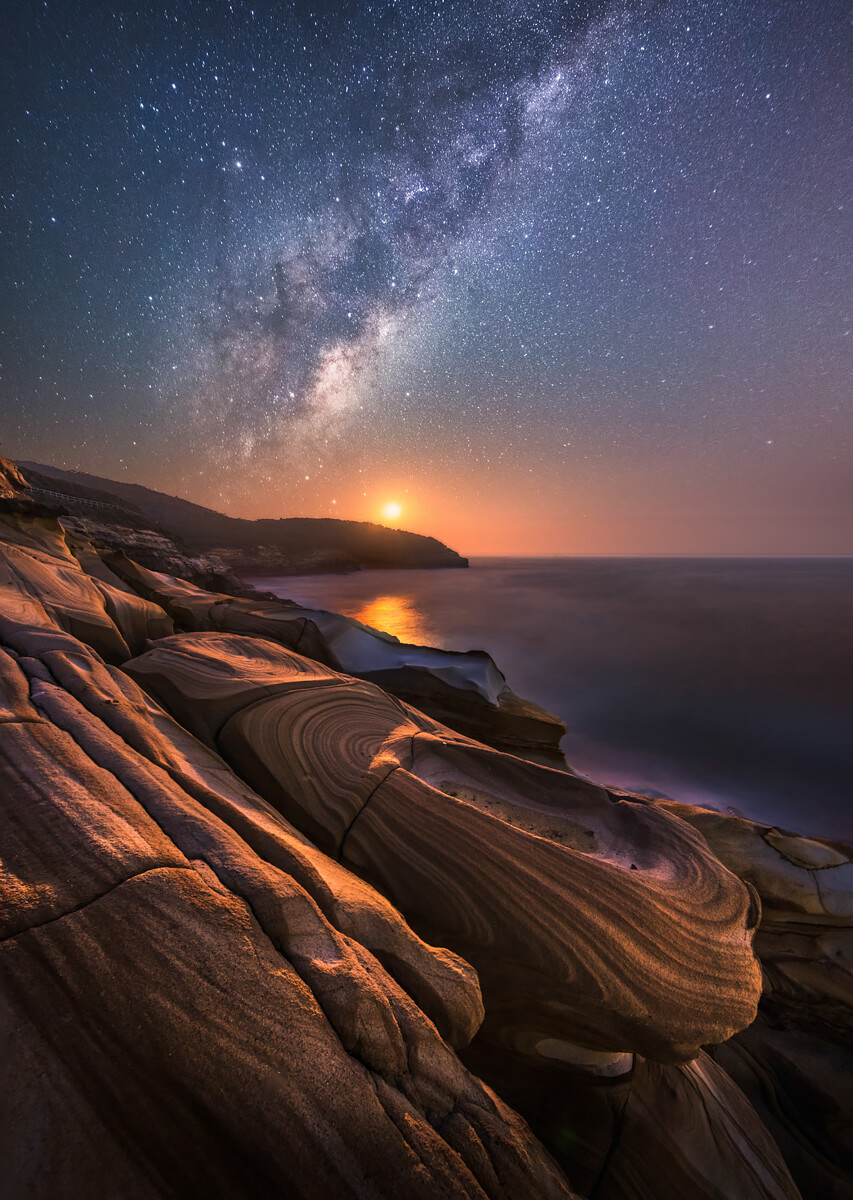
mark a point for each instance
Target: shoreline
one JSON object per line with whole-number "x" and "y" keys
{"x": 232, "y": 832}
{"x": 670, "y": 678}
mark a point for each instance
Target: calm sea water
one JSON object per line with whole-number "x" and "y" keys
{"x": 726, "y": 682}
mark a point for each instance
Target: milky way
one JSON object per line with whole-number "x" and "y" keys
{"x": 577, "y": 270}
{"x": 420, "y": 150}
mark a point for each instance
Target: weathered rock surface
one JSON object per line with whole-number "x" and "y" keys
{"x": 793, "y": 874}
{"x": 805, "y": 937}
{"x": 189, "y": 986}
{"x": 464, "y": 689}
{"x": 195, "y": 998}
{"x": 193, "y": 608}
{"x": 801, "y": 1086}
{"x": 666, "y": 1131}
{"x": 619, "y": 931}
{"x": 139, "y": 620}
{"x": 43, "y": 583}
{"x": 795, "y": 1061}
{"x": 12, "y": 482}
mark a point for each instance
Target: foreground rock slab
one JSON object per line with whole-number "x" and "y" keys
{"x": 179, "y": 1015}
{"x": 195, "y": 998}
{"x": 592, "y": 920}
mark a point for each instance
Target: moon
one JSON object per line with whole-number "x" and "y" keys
{"x": 391, "y": 511}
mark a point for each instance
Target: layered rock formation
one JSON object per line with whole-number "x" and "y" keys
{"x": 175, "y": 996}
{"x": 574, "y": 905}
{"x": 442, "y": 823}
{"x": 227, "y": 977}
{"x": 465, "y": 689}
{"x": 42, "y": 582}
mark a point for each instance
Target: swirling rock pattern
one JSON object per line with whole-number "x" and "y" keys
{"x": 153, "y": 899}
{"x": 267, "y": 981}
{"x": 591, "y": 920}
{"x": 805, "y": 937}
{"x": 792, "y": 874}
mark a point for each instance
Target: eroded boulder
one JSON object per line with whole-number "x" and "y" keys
{"x": 167, "y": 972}
{"x": 591, "y": 919}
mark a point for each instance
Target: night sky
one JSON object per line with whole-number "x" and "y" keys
{"x": 553, "y": 277}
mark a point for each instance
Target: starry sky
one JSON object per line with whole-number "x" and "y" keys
{"x": 554, "y": 277}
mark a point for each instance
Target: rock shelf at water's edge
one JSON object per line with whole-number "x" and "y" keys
{"x": 285, "y": 911}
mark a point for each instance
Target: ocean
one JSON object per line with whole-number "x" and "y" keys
{"x": 723, "y": 682}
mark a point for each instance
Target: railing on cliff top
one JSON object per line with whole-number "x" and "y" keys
{"x": 37, "y": 491}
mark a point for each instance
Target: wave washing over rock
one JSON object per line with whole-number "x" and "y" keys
{"x": 270, "y": 928}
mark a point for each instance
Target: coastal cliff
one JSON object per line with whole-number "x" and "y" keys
{"x": 270, "y": 928}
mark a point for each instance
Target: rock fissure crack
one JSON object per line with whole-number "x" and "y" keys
{"x": 368, "y": 798}
{"x": 94, "y": 899}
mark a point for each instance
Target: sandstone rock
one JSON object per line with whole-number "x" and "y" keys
{"x": 792, "y": 874}
{"x": 507, "y": 722}
{"x": 240, "y": 1085}
{"x": 161, "y": 923}
{"x": 802, "y": 1088}
{"x": 41, "y": 583}
{"x": 465, "y": 690}
{"x": 193, "y": 608}
{"x": 12, "y": 482}
{"x": 702, "y": 1136}
{"x": 653, "y": 1130}
{"x": 805, "y": 938}
{"x": 139, "y": 620}
{"x": 591, "y": 920}
{"x": 173, "y": 995}
{"x": 794, "y": 1062}
{"x": 73, "y": 590}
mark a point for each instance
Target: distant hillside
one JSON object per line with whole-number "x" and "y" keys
{"x": 262, "y": 546}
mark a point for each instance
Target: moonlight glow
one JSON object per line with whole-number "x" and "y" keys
{"x": 391, "y": 511}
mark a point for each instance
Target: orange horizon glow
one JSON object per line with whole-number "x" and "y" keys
{"x": 658, "y": 503}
